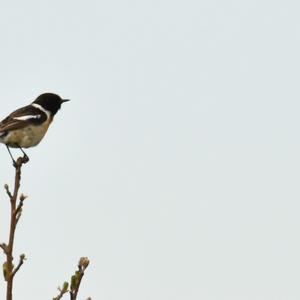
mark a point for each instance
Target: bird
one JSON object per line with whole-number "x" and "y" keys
{"x": 26, "y": 126}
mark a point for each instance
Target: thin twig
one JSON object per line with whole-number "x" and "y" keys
{"x": 62, "y": 291}
{"x": 8, "y": 191}
{"x": 3, "y": 246}
{"x": 21, "y": 262}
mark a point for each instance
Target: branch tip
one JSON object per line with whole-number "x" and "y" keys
{"x": 6, "y": 187}
{"x": 23, "y": 197}
{"x": 21, "y": 262}
{"x": 83, "y": 263}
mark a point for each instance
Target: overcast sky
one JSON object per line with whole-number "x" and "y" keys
{"x": 175, "y": 168}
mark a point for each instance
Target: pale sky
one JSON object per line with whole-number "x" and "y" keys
{"x": 175, "y": 168}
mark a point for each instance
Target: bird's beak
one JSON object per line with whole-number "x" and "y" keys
{"x": 64, "y": 100}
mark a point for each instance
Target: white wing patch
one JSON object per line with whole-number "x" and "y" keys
{"x": 28, "y": 117}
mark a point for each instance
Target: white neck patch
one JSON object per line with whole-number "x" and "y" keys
{"x": 41, "y": 108}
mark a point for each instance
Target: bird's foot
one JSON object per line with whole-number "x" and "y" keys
{"x": 15, "y": 164}
{"x": 21, "y": 160}
{"x": 25, "y": 159}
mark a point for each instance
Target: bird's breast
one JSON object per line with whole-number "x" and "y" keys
{"x": 28, "y": 136}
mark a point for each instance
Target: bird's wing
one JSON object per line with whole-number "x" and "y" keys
{"x": 22, "y": 117}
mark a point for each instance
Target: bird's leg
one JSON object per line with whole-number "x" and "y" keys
{"x": 14, "y": 162}
{"x": 25, "y": 157}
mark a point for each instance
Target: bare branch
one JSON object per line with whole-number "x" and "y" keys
{"x": 75, "y": 281}
{"x": 9, "y": 271}
{"x": 77, "y": 277}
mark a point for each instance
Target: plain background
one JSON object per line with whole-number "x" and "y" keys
{"x": 175, "y": 168}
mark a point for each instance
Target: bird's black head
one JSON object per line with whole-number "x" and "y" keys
{"x": 50, "y": 102}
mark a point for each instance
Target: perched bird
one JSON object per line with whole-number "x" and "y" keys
{"x": 25, "y": 127}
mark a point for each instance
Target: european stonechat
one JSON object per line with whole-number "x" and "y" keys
{"x": 26, "y": 127}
